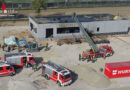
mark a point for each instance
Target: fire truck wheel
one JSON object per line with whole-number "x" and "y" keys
{"x": 108, "y": 55}
{"x": 46, "y": 76}
{"x": 59, "y": 84}
{"x": 12, "y": 74}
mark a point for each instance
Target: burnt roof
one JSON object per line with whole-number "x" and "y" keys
{"x": 69, "y": 19}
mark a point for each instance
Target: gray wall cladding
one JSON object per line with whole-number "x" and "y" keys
{"x": 104, "y": 27}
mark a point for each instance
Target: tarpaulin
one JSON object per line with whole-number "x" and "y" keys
{"x": 10, "y": 41}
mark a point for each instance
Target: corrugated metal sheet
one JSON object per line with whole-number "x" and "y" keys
{"x": 117, "y": 69}
{"x": 49, "y": 71}
{"x": 118, "y": 64}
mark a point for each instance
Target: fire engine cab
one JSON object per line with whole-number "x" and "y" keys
{"x": 19, "y": 59}
{"x": 57, "y": 73}
{"x": 106, "y": 50}
{"x": 6, "y": 69}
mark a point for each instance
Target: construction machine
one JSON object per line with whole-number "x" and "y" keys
{"x": 95, "y": 52}
{"x": 30, "y": 46}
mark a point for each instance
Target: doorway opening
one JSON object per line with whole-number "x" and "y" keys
{"x": 49, "y": 32}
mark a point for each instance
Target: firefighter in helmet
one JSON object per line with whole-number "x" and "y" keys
{"x": 3, "y": 46}
{"x": 35, "y": 67}
{"x": 46, "y": 46}
{"x": 59, "y": 42}
{"x": 27, "y": 64}
{"x": 80, "y": 57}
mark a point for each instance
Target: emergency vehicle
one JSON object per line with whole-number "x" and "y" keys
{"x": 95, "y": 51}
{"x": 19, "y": 59}
{"x": 6, "y": 69}
{"x": 104, "y": 51}
{"x": 57, "y": 73}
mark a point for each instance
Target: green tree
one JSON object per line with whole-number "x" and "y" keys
{"x": 38, "y": 5}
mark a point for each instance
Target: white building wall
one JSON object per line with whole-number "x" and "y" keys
{"x": 105, "y": 27}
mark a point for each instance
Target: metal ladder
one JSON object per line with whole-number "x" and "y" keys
{"x": 87, "y": 37}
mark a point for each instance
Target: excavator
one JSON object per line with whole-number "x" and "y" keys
{"x": 95, "y": 52}
{"x": 31, "y": 47}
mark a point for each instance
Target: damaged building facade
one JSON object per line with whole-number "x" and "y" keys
{"x": 61, "y": 27}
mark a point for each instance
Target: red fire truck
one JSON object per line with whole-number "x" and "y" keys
{"x": 104, "y": 51}
{"x": 19, "y": 59}
{"x": 6, "y": 69}
{"x": 57, "y": 73}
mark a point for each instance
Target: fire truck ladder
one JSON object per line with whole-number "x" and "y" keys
{"x": 87, "y": 37}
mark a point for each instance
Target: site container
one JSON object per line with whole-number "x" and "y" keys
{"x": 117, "y": 69}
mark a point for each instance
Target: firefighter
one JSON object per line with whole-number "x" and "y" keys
{"x": 27, "y": 64}
{"x": 3, "y": 47}
{"x": 9, "y": 48}
{"x": 35, "y": 67}
{"x": 46, "y": 46}
{"x": 59, "y": 42}
{"x": 79, "y": 57}
{"x": 101, "y": 70}
{"x": 103, "y": 56}
{"x": 0, "y": 45}
{"x": 89, "y": 59}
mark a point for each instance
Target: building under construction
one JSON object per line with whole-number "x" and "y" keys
{"x": 64, "y": 26}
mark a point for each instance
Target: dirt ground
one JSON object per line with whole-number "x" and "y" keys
{"x": 87, "y": 75}
{"x": 122, "y": 11}
{"x": 14, "y": 23}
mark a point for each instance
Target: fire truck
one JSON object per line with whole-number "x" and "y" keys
{"x": 95, "y": 52}
{"x": 104, "y": 51}
{"x": 6, "y": 69}
{"x": 19, "y": 59}
{"x": 57, "y": 73}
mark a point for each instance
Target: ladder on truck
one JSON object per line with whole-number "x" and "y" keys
{"x": 87, "y": 37}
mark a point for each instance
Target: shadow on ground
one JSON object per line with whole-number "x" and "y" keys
{"x": 74, "y": 76}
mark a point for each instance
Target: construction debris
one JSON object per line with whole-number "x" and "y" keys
{"x": 73, "y": 40}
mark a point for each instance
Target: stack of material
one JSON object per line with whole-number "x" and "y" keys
{"x": 91, "y": 77}
{"x": 73, "y": 40}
